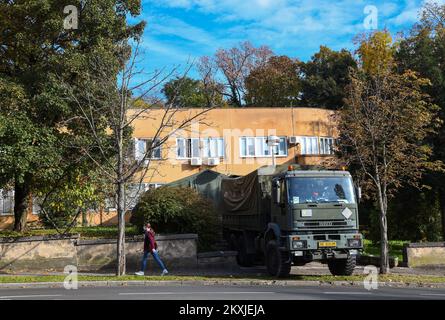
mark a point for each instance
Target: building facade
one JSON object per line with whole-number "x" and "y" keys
{"x": 232, "y": 141}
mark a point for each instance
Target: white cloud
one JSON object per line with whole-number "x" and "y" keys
{"x": 166, "y": 25}
{"x": 176, "y": 3}
{"x": 408, "y": 15}
{"x": 388, "y": 9}
{"x": 411, "y": 12}
{"x": 279, "y": 15}
{"x": 289, "y": 26}
{"x": 237, "y": 9}
{"x": 150, "y": 46}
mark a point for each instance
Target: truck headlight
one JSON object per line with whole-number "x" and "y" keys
{"x": 354, "y": 243}
{"x": 298, "y": 244}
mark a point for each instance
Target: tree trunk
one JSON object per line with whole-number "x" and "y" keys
{"x": 121, "y": 225}
{"x": 21, "y": 205}
{"x": 442, "y": 209}
{"x": 121, "y": 265}
{"x": 384, "y": 263}
{"x": 384, "y": 258}
{"x": 84, "y": 218}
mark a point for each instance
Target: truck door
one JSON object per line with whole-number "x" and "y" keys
{"x": 279, "y": 204}
{"x": 283, "y": 205}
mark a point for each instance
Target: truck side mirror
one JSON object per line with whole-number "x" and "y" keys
{"x": 277, "y": 192}
{"x": 359, "y": 194}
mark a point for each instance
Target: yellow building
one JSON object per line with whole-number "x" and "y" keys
{"x": 232, "y": 141}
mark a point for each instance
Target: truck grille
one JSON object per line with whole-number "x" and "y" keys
{"x": 325, "y": 224}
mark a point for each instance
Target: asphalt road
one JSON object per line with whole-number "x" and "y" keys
{"x": 216, "y": 292}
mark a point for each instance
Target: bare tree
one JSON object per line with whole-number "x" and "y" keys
{"x": 382, "y": 130}
{"x": 212, "y": 88}
{"x": 111, "y": 124}
{"x": 433, "y": 15}
{"x": 234, "y": 65}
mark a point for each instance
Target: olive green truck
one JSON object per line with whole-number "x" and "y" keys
{"x": 292, "y": 217}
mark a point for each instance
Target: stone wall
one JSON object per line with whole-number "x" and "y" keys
{"x": 218, "y": 260}
{"x": 52, "y": 254}
{"x": 37, "y": 254}
{"x": 424, "y": 254}
{"x": 176, "y": 251}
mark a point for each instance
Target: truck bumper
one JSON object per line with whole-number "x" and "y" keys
{"x": 338, "y": 246}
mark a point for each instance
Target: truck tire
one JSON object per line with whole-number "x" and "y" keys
{"x": 244, "y": 259}
{"x": 342, "y": 267}
{"x": 277, "y": 261}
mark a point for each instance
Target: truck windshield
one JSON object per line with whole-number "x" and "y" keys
{"x": 321, "y": 190}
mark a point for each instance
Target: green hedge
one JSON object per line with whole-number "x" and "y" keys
{"x": 178, "y": 210}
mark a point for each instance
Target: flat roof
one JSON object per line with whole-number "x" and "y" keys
{"x": 318, "y": 173}
{"x": 234, "y": 108}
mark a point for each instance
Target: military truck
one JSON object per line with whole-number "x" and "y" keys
{"x": 292, "y": 217}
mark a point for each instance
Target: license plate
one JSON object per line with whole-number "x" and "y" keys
{"x": 327, "y": 244}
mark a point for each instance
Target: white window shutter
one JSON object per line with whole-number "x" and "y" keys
{"x": 180, "y": 148}
{"x": 206, "y": 148}
{"x": 300, "y": 140}
{"x": 317, "y": 147}
{"x": 221, "y": 148}
{"x": 135, "y": 148}
{"x": 139, "y": 149}
{"x": 195, "y": 148}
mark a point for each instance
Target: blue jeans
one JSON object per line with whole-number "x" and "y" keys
{"x": 155, "y": 256}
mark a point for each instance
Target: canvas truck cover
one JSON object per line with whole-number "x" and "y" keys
{"x": 207, "y": 183}
{"x": 246, "y": 201}
{"x": 240, "y": 195}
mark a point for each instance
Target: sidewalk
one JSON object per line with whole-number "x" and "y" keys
{"x": 311, "y": 269}
{"x": 234, "y": 278}
{"x": 316, "y": 268}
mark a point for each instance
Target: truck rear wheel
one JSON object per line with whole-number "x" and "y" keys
{"x": 277, "y": 261}
{"x": 342, "y": 267}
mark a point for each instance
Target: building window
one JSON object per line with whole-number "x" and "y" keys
{"x": 316, "y": 146}
{"x": 326, "y": 146}
{"x": 212, "y": 148}
{"x": 6, "y": 202}
{"x": 110, "y": 203}
{"x": 36, "y": 205}
{"x": 309, "y": 145}
{"x": 257, "y": 147}
{"x": 153, "y": 185}
{"x": 188, "y": 148}
{"x": 135, "y": 191}
{"x": 143, "y": 145}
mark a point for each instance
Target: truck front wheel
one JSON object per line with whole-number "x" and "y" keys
{"x": 277, "y": 262}
{"x": 342, "y": 267}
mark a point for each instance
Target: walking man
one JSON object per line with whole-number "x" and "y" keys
{"x": 150, "y": 247}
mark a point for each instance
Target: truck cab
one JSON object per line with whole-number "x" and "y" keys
{"x": 314, "y": 217}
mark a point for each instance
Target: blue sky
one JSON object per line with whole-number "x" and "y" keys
{"x": 179, "y": 31}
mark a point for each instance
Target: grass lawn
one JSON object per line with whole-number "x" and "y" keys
{"x": 324, "y": 278}
{"x": 395, "y": 248}
{"x": 85, "y": 232}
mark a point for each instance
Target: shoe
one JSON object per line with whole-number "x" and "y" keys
{"x": 139, "y": 273}
{"x": 164, "y": 272}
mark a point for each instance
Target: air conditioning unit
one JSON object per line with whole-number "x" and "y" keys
{"x": 196, "y": 162}
{"x": 293, "y": 140}
{"x": 213, "y": 161}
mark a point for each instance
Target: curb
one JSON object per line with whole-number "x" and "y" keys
{"x": 295, "y": 283}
